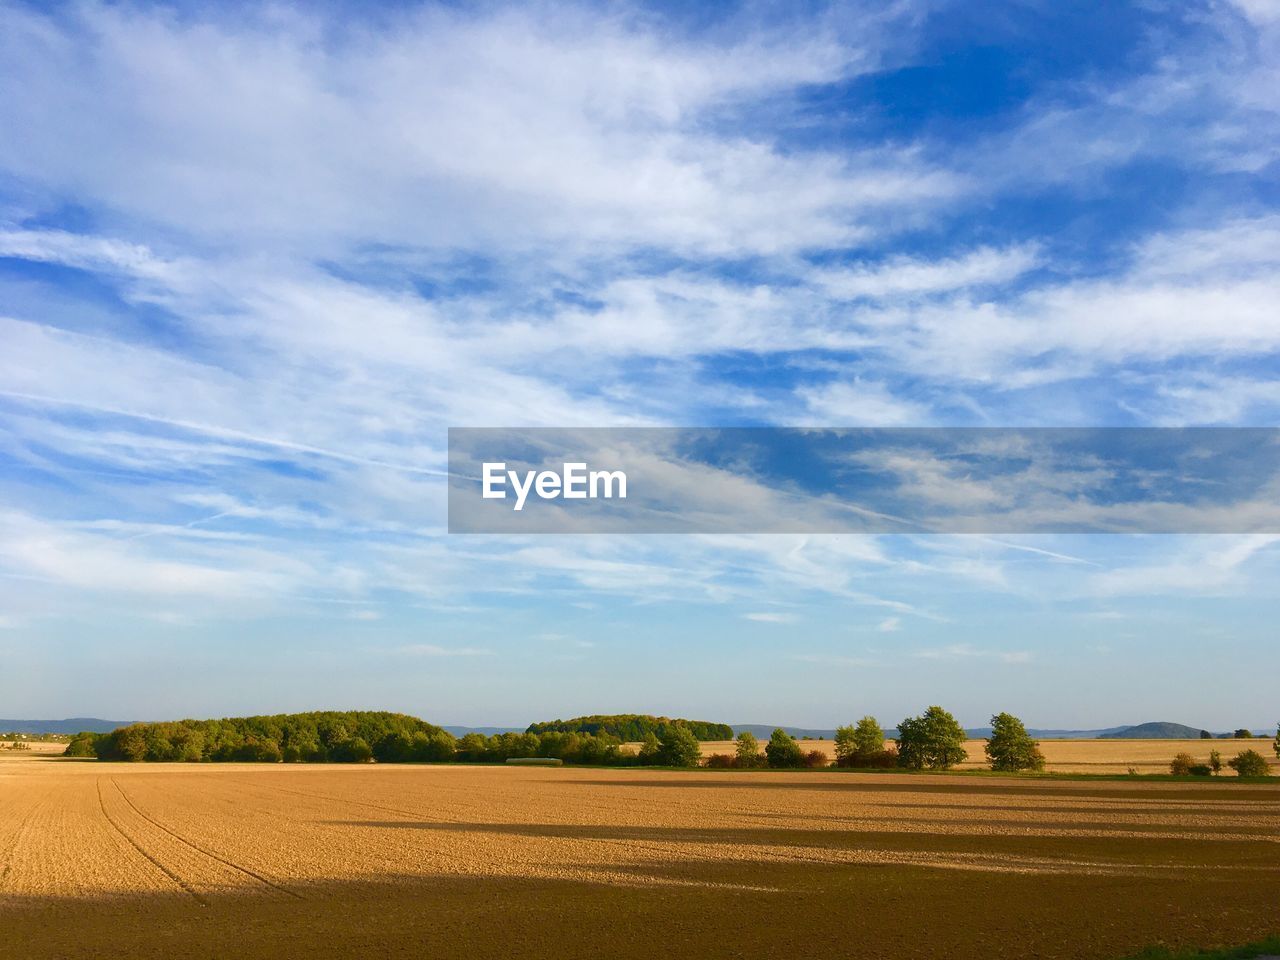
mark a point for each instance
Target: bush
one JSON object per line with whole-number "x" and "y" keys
{"x": 1010, "y": 747}
{"x": 1215, "y": 762}
{"x": 933, "y": 740}
{"x": 1180, "y": 766}
{"x": 1200, "y": 770}
{"x": 1250, "y": 763}
{"x": 783, "y": 751}
{"x": 882, "y": 759}
{"x": 721, "y": 761}
{"x": 816, "y": 760}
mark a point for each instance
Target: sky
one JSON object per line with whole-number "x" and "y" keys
{"x": 256, "y": 260}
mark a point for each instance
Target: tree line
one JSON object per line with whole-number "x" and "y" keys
{"x": 632, "y": 727}
{"x": 934, "y": 740}
{"x": 361, "y": 736}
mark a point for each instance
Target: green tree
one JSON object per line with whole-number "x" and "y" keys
{"x": 678, "y": 747}
{"x": 1215, "y": 762}
{"x": 846, "y": 747}
{"x": 782, "y": 750}
{"x": 1206, "y": 735}
{"x": 858, "y": 745}
{"x": 395, "y": 747}
{"x": 933, "y": 740}
{"x": 1010, "y": 747}
{"x": 473, "y": 747}
{"x": 650, "y": 750}
{"x": 1276, "y": 743}
{"x": 868, "y": 737}
{"x": 83, "y": 745}
{"x": 1181, "y": 765}
{"x": 747, "y": 750}
{"x": 438, "y": 747}
{"x": 1250, "y": 763}
{"x": 1243, "y": 734}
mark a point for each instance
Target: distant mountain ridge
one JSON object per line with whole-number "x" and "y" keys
{"x": 71, "y": 725}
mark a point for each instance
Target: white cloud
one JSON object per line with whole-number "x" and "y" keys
{"x": 767, "y": 617}
{"x": 442, "y": 129}
{"x": 906, "y": 277}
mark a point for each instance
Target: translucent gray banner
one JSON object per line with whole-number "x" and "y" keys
{"x": 864, "y": 480}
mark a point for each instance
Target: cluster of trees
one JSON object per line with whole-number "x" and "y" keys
{"x": 633, "y": 727}
{"x": 1247, "y": 763}
{"x": 352, "y": 736}
{"x": 1240, "y": 733}
{"x": 359, "y": 736}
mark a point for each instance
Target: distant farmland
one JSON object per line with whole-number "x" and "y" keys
{"x": 1081, "y": 756}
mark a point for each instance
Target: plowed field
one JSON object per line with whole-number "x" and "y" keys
{"x": 108, "y": 860}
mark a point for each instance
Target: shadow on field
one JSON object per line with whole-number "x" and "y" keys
{"x": 1096, "y": 843}
{"x": 1261, "y": 793}
{"x": 802, "y": 911}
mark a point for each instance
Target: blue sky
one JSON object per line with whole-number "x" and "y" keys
{"x": 255, "y": 262}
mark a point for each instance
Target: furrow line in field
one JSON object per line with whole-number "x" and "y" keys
{"x": 142, "y": 850}
{"x": 208, "y": 853}
{"x": 18, "y": 836}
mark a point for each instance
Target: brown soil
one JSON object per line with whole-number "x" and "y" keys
{"x": 107, "y": 860}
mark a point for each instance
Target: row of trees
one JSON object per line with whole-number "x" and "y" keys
{"x": 632, "y": 727}
{"x": 932, "y": 741}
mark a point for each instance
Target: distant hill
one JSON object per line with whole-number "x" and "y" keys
{"x": 1159, "y": 730}
{"x": 981, "y": 733}
{"x": 73, "y": 725}
{"x": 764, "y": 730}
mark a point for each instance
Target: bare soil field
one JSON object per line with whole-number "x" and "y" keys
{"x": 1082, "y": 756}
{"x": 256, "y": 861}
